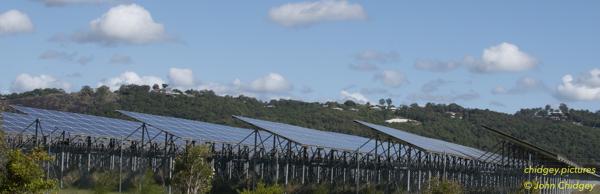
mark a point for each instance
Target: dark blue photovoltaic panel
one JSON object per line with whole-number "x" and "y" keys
{"x": 88, "y": 125}
{"x": 313, "y": 137}
{"x": 197, "y": 130}
{"x": 428, "y": 144}
{"x": 17, "y": 123}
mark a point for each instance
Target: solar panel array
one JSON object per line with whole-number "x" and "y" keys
{"x": 313, "y": 137}
{"x": 428, "y": 144}
{"x": 197, "y": 130}
{"x": 80, "y": 124}
{"x": 17, "y": 123}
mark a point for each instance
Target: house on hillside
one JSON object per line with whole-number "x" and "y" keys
{"x": 556, "y": 115}
{"x": 338, "y": 108}
{"x": 454, "y": 115}
{"x": 402, "y": 120}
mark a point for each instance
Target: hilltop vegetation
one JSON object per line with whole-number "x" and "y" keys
{"x": 573, "y": 133}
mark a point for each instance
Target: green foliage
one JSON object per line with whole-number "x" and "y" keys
{"x": 105, "y": 182}
{"x": 261, "y": 188}
{"x": 193, "y": 172}
{"x": 147, "y": 184}
{"x": 563, "y": 136}
{"x": 443, "y": 186}
{"x": 321, "y": 189}
{"x": 24, "y": 174}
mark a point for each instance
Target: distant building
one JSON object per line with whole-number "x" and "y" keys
{"x": 338, "y": 108}
{"x": 454, "y": 115}
{"x": 354, "y": 109}
{"x": 556, "y": 115}
{"x": 401, "y": 120}
{"x": 375, "y": 107}
{"x": 270, "y": 106}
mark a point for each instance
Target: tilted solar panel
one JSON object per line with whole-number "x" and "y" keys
{"x": 81, "y": 124}
{"x": 197, "y": 130}
{"x": 17, "y": 123}
{"x": 313, "y": 137}
{"x": 428, "y": 144}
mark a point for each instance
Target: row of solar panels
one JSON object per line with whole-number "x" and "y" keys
{"x": 80, "y": 124}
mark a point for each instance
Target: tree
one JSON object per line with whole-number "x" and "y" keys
{"x": 193, "y": 172}
{"x": 349, "y": 103}
{"x": 388, "y": 102}
{"x": 86, "y": 91}
{"x": 563, "y": 108}
{"x": 23, "y": 173}
{"x": 155, "y": 87}
{"x": 382, "y": 102}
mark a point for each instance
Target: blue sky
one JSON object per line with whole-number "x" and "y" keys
{"x": 503, "y": 55}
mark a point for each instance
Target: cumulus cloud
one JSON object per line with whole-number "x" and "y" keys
{"x": 391, "y": 78}
{"x": 355, "y": 97}
{"x": 309, "y": 13}
{"x": 128, "y": 78}
{"x": 130, "y": 24}
{"x": 14, "y": 22}
{"x": 523, "y": 85}
{"x": 505, "y": 57}
{"x": 271, "y": 83}
{"x": 584, "y": 88}
{"x": 66, "y": 57}
{"x": 181, "y": 77}
{"x": 26, "y": 82}
{"x": 436, "y": 66}
{"x": 58, "y": 3}
{"x": 120, "y": 59}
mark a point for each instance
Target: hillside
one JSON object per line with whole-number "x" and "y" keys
{"x": 572, "y": 133}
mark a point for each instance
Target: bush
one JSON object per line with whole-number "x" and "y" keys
{"x": 105, "y": 182}
{"x": 443, "y": 186}
{"x": 261, "y": 188}
{"x": 24, "y": 174}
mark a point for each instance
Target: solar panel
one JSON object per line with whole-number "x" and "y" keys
{"x": 313, "y": 137}
{"x": 17, "y": 123}
{"x": 197, "y": 130}
{"x": 81, "y": 124}
{"x": 428, "y": 144}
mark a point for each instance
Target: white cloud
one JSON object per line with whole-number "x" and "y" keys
{"x": 25, "y": 82}
{"x": 120, "y": 59}
{"x": 13, "y": 22}
{"x": 181, "y": 77}
{"x": 271, "y": 83}
{"x": 355, "y": 97}
{"x": 308, "y": 13}
{"x": 391, "y": 78}
{"x": 523, "y": 85}
{"x": 54, "y": 3}
{"x": 505, "y": 57}
{"x": 66, "y": 57}
{"x": 436, "y": 66}
{"x": 124, "y": 24}
{"x": 128, "y": 78}
{"x": 584, "y": 88}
